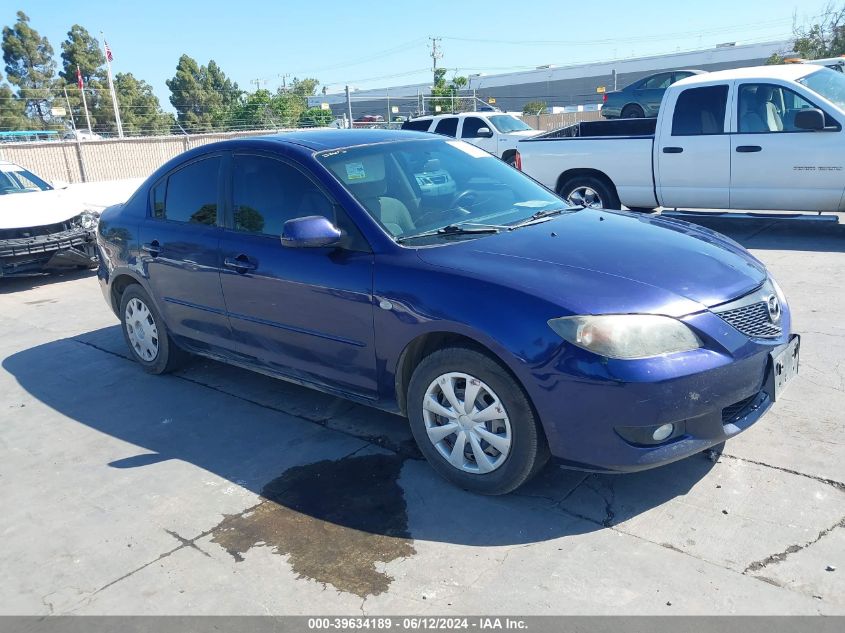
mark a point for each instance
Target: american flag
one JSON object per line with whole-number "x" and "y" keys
{"x": 78, "y": 77}
{"x": 109, "y": 56}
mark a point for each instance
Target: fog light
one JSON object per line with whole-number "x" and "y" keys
{"x": 662, "y": 432}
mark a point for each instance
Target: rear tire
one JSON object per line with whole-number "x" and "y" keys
{"x": 632, "y": 111}
{"x": 496, "y": 443}
{"x": 590, "y": 192}
{"x": 146, "y": 335}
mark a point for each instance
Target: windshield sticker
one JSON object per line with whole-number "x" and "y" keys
{"x": 355, "y": 171}
{"x": 472, "y": 150}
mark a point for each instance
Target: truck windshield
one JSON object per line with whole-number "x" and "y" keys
{"x": 418, "y": 186}
{"x": 506, "y": 123}
{"x": 828, "y": 83}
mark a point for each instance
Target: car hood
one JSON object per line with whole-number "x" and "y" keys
{"x": 37, "y": 208}
{"x": 595, "y": 261}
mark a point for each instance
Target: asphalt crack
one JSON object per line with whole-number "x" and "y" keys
{"x": 779, "y": 557}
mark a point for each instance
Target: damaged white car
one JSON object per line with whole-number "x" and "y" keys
{"x": 46, "y": 227}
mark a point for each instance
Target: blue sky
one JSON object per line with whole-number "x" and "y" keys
{"x": 374, "y": 44}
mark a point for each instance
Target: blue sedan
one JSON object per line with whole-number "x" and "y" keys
{"x": 423, "y": 276}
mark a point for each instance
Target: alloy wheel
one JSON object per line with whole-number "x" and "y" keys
{"x": 586, "y": 197}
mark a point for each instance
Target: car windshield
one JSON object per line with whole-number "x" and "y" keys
{"x": 506, "y": 123}
{"x": 418, "y": 186}
{"x": 21, "y": 181}
{"x": 828, "y": 83}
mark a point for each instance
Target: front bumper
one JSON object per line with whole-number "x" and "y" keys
{"x": 588, "y": 404}
{"x": 71, "y": 248}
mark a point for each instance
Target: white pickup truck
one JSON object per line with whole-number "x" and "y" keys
{"x": 768, "y": 137}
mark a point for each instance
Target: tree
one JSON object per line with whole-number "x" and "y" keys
{"x": 534, "y": 107}
{"x": 315, "y": 117}
{"x": 12, "y": 110}
{"x": 825, "y": 38}
{"x": 447, "y": 96}
{"x": 202, "y": 95}
{"x": 304, "y": 87}
{"x": 140, "y": 110}
{"x": 30, "y": 66}
{"x": 83, "y": 50}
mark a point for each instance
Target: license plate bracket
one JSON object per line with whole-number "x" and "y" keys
{"x": 783, "y": 367}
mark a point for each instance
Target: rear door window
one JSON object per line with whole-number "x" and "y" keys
{"x": 447, "y": 126}
{"x": 700, "y": 111}
{"x": 189, "y": 194}
{"x": 417, "y": 125}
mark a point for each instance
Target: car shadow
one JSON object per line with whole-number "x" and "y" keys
{"x": 776, "y": 234}
{"x": 305, "y": 453}
{"x": 10, "y": 285}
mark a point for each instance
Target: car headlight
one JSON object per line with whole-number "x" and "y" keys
{"x": 88, "y": 220}
{"x": 627, "y": 336}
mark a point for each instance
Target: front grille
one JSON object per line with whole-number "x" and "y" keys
{"x": 734, "y": 411}
{"x": 752, "y": 320}
{"x": 38, "y": 231}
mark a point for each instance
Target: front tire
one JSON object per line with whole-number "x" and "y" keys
{"x": 589, "y": 192}
{"x": 146, "y": 334}
{"x": 474, "y": 423}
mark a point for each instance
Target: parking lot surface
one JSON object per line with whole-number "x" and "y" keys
{"x": 220, "y": 491}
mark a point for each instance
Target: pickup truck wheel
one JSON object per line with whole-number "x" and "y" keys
{"x": 589, "y": 192}
{"x": 474, "y": 423}
{"x": 632, "y": 111}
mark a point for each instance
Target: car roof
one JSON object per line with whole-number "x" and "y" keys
{"x": 789, "y": 72}
{"x": 432, "y": 117}
{"x": 327, "y": 138}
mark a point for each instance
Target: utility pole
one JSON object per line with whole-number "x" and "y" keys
{"x": 349, "y": 106}
{"x": 257, "y": 82}
{"x": 436, "y": 54}
{"x": 284, "y": 79}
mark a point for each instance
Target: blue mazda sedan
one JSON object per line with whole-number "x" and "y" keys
{"x": 423, "y": 276}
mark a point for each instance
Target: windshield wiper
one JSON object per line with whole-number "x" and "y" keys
{"x": 464, "y": 228}
{"x": 539, "y": 216}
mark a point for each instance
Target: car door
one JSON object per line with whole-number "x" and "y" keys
{"x": 304, "y": 312}
{"x": 774, "y": 164}
{"x": 650, "y": 93}
{"x": 447, "y": 126}
{"x": 469, "y": 133}
{"x": 692, "y": 150}
{"x": 180, "y": 251}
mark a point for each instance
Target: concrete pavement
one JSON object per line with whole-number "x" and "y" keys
{"x": 220, "y": 491}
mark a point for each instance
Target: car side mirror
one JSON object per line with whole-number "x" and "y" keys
{"x": 312, "y": 231}
{"x": 809, "y": 119}
{"x": 484, "y": 132}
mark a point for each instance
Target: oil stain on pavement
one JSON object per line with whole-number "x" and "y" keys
{"x": 337, "y": 521}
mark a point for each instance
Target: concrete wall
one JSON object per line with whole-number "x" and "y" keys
{"x": 112, "y": 159}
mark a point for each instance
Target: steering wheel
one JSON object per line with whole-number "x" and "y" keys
{"x": 467, "y": 196}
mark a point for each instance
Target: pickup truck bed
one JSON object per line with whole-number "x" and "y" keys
{"x": 624, "y": 128}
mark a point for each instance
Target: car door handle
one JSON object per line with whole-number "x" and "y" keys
{"x": 673, "y": 150}
{"x": 240, "y": 263}
{"x": 153, "y": 248}
{"x": 748, "y": 148}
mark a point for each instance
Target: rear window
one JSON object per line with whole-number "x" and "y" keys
{"x": 447, "y": 126}
{"x": 418, "y": 125}
{"x": 700, "y": 111}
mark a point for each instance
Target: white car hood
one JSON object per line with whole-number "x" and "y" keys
{"x": 37, "y": 208}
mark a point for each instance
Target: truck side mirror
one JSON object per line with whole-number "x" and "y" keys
{"x": 483, "y": 132}
{"x": 809, "y": 119}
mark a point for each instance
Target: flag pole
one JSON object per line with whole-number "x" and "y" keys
{"x": 70, "y": 112}
{"x": 84, "y": 102}
{"x": 111, "y": 87}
